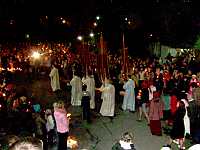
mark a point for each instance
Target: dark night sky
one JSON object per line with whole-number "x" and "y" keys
{"x": 167, "y": 21}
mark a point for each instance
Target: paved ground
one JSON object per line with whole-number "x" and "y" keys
{"x": 102, "y": 133}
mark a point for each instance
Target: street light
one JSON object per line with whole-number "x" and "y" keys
{"x": 95, "y": 24}
{"x": 97, "y": 17}
{"x": 63, "y": 21}
{"x": 91, "y": 34}
{"x": 80, "y": 38}
{"x": 27, "y": 36}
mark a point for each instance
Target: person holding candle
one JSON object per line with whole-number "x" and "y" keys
{"x": 62, "y": 124}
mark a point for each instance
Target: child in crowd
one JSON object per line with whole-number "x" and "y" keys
{"x": 125, "y": 143}
{"x": 50, "y": 126}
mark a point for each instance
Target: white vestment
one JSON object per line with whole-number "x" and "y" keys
{"x": 195, "y": 147}
{"x": 55, "y": 82}
{"x": 90, "y": 82}
{"x": 129, "y": 97}
{"x": 76, "y": 93}
{"x": 108, "y": 104}
{"x": 186, "y": 118}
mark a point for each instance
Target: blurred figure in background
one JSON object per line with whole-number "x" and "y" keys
{"x": 55, "y": 81}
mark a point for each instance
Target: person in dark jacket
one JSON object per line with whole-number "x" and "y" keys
{"x": 143, "y": 100}
{"x": 194, "y": 115}
{"x": 86, "y": 103}
{"x": 178, "y": 129}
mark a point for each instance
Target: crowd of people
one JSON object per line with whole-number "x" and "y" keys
{"x": 167, "y": 90}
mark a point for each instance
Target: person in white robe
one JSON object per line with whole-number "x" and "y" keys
{"x": 186, "y": 118}
{"x": 90, "y": 82}
{"x": 55, "y": 81}
{"x": 76, "y": 92}
{"x": 108, "y": 96}
{"x": 129, "y": 96}
{"x": 195, "y": 147}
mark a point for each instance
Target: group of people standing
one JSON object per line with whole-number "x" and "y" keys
{"x": 156, "y": 92}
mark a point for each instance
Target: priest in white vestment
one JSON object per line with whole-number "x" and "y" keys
{"x": 129, "y": 97}
{"x": 108, "y": 96}
{"x": 55, "y": 81}
{"x": 90, "y": 82}
{"x": 76, "y": 92}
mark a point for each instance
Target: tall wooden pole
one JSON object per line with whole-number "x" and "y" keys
{"x": 102, "y": 57}
{"x": 124, "y": 55}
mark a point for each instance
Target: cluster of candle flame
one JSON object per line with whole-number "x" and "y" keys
{"x": 72, "y": 142}
{"x": 11, "y": 69}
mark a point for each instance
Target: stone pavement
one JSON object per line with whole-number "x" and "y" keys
{"x": 102, "y": 134}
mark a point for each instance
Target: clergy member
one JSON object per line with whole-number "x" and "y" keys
{"x": 90, "y": 82}
{"x": 54, "y": 76}
{"x": 108, "y": 96}
{"x": 76, "y": 92}
{"x": 129, "y": 96}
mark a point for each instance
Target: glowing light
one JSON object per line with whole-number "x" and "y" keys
{"x": 11, "y": 22}
{"x": 4, "y": 94}
{"x": 97, "y": 17}
{"x": 27, "y": 36}
{"x": 1, "y": 69}
{"x": 151, "y": 35}
{"x": 64, "y": 21}
{"x": 11, "y": 69}
{"x": 126, "y": 19}
{"x": 72, "y": 143}
{"x": 0, "y": 105}
{"x": 68, "y": 115}
{"x": 95, "y": 24}
{"x": 36, "y": 55}
{"x": 91, "y": 34}
{"x": 80, "y": 38}
{"x": 125, "y": 145}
